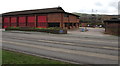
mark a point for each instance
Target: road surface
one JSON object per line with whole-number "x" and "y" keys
{"x": 68, "y": 48}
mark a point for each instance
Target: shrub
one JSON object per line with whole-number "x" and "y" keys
{"x": 12, "y": 28}
{"x": 54, "y": 30}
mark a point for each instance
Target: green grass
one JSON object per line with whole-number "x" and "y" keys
{"x": 10, "y": 57}
{"x": 0, "y": 56}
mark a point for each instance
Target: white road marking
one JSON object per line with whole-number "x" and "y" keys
{"x": 102, "y": 41}
{"x": 79, "y": 44}
{"x": 66, "y": 50}
{"x": 98, "y": 41}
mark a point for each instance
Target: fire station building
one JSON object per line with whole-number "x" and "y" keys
{"x": 41, "y": 18}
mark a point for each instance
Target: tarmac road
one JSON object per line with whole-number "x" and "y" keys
{"x": 81, "y": 50}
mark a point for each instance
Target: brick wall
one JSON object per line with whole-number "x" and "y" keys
{"x": 72, "y": 19}
{"x": 54, "y": 17}
{"x": 51, "y": 18}
{"x": 57, "y": 17}
{"x": 78, "y": 20}
{"x": 65, "y": 19}
{"x": 113, "y": 28}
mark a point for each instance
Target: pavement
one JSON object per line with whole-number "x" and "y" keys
{"x": 92, "y": 32}
{"x": 75, "y": 47}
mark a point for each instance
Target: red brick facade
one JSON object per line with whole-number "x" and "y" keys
{"x": 65, "y": 19}
{"x": 112, "y": 27}
{"x": 41, "y": 18}
{"x": 54, "y": 17}
{"x": 72, "y": 19}
{"x": 62, "y": 19}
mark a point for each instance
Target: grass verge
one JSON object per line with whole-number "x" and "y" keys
{"x": 10, "y": 57}
{"x": 0, "y": 56}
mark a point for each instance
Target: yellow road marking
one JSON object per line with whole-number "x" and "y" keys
{"x": 66, "y": 50}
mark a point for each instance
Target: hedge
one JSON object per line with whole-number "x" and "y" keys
{"x": 54, "y": 30}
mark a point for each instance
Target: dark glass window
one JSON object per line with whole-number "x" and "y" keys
{"x": 78, "y": 17}
{"x": 66, "y": 15}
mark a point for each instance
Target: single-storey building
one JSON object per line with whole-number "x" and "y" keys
{"x": 41, "y": 18}
{"x": 112, "y": 26}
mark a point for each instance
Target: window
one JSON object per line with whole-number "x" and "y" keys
{"x": 78, "y": 17}
{"x": 66, "y": 15}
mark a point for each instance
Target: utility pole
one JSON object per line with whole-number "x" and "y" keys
{"x": 96, "y": 16}
{"x": 92, "y": 17}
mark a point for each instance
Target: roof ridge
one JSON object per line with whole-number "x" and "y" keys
{"x": 35, "y": 10}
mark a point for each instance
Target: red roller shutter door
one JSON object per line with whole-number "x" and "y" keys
{"x": 42, "y": 22}
{"x": 22, "y": 21}
{"x": 13, "y": 21}
{"x": 6, "y": 22}
{"x": 31, "y": 22}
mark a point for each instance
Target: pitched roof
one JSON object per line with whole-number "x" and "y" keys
{"x": 38, "y": 11}
{"x": 46, "y": 10}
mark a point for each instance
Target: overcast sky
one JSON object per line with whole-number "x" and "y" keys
{"x": 81, "y": 6}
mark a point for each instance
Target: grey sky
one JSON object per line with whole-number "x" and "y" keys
{"x": 119, "y": 8}
{"x": 81, "y": 6}
{"x": 98, "y": 4}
